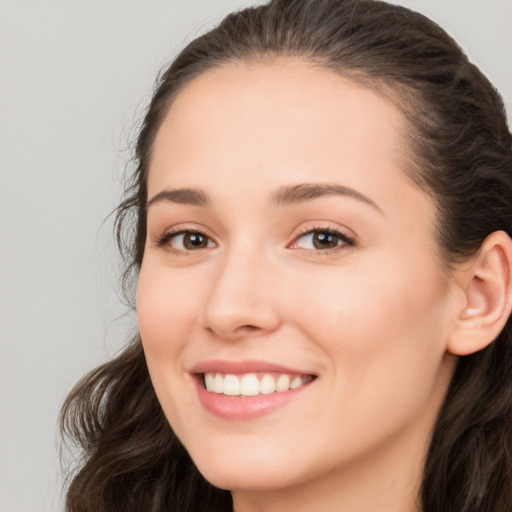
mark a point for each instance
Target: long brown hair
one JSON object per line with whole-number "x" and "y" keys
{"x": 462, "y": 148}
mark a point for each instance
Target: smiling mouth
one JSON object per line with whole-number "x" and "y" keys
{"x": 253, "y": 384}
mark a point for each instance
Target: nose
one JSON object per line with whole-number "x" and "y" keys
{"x": 242, "y": 301}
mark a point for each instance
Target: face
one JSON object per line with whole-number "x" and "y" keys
{"x": 292, "y": 266}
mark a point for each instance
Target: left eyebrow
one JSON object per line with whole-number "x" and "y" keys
{"x": 192, "y": 196}
{"x": 291, "y": 194}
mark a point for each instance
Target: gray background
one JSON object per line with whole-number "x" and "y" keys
{"x": 74, "y": 78}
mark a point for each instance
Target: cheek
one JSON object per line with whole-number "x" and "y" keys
{"x": 167, "y": 311}
{"x": 382, "y": 318}
{"x": 167, "y": 307}
{"x": 383, "y": 337}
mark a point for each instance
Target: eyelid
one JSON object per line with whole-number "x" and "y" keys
{"x": 347, "y": 241}
{"x": 162, "y": 241}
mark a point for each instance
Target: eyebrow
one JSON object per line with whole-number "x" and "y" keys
{"x": 192, "y": 196}
{"x": 291, "y": 194}
{"x": 285, "y": 195}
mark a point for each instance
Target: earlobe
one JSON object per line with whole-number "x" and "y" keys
{"x": 488, "y": 296}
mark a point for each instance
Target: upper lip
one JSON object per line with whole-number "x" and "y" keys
{"x": 247, "y": 366}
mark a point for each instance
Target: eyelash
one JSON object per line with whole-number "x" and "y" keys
{"x": 345, "y": 241}
{"x": 165, "y": 239}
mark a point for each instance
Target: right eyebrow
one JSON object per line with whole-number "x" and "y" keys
{"x": 306, "y": 191}
{"x": 192, "y": 196}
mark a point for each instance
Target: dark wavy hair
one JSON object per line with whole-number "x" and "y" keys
{"x": 462, "y": 156}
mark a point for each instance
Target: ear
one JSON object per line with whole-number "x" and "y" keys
{"x": 487, "y": 296}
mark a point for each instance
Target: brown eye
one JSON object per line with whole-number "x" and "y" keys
{"x": 186, "y": 241}
{"x": 193, "y": 241}
{"x": 322, "y": 240}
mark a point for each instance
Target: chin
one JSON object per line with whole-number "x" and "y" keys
{"x": 249, "y": 479}
{"x": 245, "y": 470}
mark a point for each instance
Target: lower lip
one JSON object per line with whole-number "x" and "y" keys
{"x": 245, "y": 407}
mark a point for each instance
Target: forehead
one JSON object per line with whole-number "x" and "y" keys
{"x": 278, "y": 120}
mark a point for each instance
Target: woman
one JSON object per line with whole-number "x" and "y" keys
{"x": 322, "y": 215}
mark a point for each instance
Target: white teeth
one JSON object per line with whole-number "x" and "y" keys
{"x": 231, "y": 385}
{"x": 218, "y": 384}
{"x": 296, "y": 383}
{"x": 267, "y": 385}
{"x": 283, "y": 383}
{"x": 209, "y": 379}
{"x": 252, "y": 384}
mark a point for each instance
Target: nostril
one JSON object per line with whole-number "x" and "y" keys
{"x": 248, "y": 328}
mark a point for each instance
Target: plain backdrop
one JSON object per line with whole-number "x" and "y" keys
{"x": 75, "y": 76}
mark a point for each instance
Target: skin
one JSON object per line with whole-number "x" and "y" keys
{"x": 372, "y": 320}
